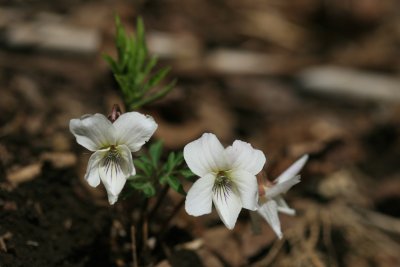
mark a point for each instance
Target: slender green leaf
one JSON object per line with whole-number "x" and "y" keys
{"x": 186, "y": 173}
{"x": 142, "y": 165}
{"x": 133, "y": 68}
{"x": 175, "y": 184}
{"x": 155, "y": 153}
{"x": 144, "y": 186}
{"x": 156, "y": 78}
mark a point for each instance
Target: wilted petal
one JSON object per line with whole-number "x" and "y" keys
{"x": 228, "y": 205}
{"x": 93, "y": 131}
{"x": 293, "y": 170}
{"x": 92, "y": 175}
{"x": 134, "y": 129}
{"x": 243, "y": 156}
{"x": 205, "y": 155}
{"x": 115, "y": 168}
{"x": 281, "y": 187}
{"x": 283, "y": 206}
{"x": 246, "y": 184}
{"x": 199, "y": 197}
{"x": 269, "y": 211}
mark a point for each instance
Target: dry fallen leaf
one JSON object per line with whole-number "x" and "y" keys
{"x": 24, "y": 174}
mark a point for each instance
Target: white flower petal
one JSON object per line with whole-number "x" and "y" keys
{"x": 281, "y": 187}
{"x": 205, "y": 155}
{"x": 269, "y": 211}
{"x": 92, "y": 175}
{"x": 246, "y": 184}
{"x": 111, "y": 198}
{"x": 127, "y": 164}
{"x": 199, "y": 197}
{"x": 134, "y": 129}
{"x": 283, "y": 206}
{"x": 115, "y": 168}
{"x": 293, "y": 170}
{"x": 228, "y": 205}
{"x": 242, "y": 155}
{"x": 93, "y": 131}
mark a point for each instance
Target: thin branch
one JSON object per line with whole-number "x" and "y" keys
{"x": 134, "y": 252}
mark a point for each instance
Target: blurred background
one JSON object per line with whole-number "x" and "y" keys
{"x": 290, "y": 77}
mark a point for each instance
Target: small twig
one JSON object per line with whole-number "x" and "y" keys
{"x": 3, "y": 246}
{"x": 143, "y": 230}
{"x": 145, "y": 235}
{"x": 273, "y": 252}
{"x": 327, "y": 238}
{"x": 315, "y": 260}
{"x": 310, "y": 243}
{"x": 134, "y": 253}
{"x": 315, "y": 228}
{"x": 3, "y": 238}
{"x": 384, "y": 222}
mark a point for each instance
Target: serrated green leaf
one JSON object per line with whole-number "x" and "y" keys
{"x": 140, "y": 34}
{"x": 154, "y": 97}
{"x": 169, "y": 166}
{"x": 175, "y": 184}
{"x": 186, "y": 173}
{"x": 157, "y": 77}
{"x": 178, "y": 158}
{"x": 120, "y": 40}
{"x": 111, "y": 62}
{"x": 144, "y": 166}
{"x": 155, "y": 152}
{"x": 141, "y": 51}
{"x": 149, "y": 67}
{"x": 173, "y": 161}
{"x": 135, "y": 177}
{"x": 146, "y": 159}
{"x": 133, "y": 67}
{"x": 144, "y": 186}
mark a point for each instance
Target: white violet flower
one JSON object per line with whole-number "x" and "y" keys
{"x": 112, "y": 144}
{"x": 227, "y": 177}
{"x": 272, "y": 201}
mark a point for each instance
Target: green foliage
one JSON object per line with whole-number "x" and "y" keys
{"x": 170, "y": 171}
{"x": 133, "y": 68}
{"x": 139, "y": 82}
{"x": 142, "y": 183}
{"x": 152, "y": 170}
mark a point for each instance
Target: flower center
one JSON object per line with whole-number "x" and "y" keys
{"x": 112, "y": 161}
{"x": 222, "y": 185}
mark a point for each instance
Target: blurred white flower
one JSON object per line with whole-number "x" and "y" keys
{"x": 227, "y": 177}
{"x": 112, "y": 144}
{"x": 273, "y": 201}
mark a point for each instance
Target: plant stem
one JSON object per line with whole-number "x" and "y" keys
{"x": 145, "y": 235}
{"x": 142, "y": 225}
{"x": 160, "y": 199}
{"x": 134, "y": 253}
{"x": 171, "y": 216}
